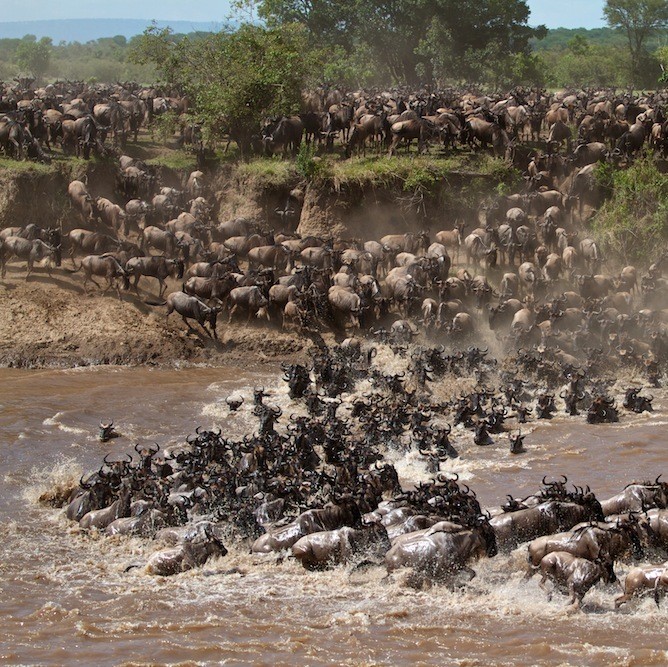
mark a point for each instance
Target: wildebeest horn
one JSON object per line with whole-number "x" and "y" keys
{"x": 565, "y": 479}
{"x": 656, "y": 481}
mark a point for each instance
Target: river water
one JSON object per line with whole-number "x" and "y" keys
{"x": 66, "y": 599}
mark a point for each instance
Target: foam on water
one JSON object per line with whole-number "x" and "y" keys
{"x": 56, "y": 421}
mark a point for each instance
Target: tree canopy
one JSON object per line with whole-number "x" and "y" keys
{"x": 33, "y": 56}
{"x": 236, "y": 79}
{"x": 639, "y": 20}
{"x": 413, "y": 40}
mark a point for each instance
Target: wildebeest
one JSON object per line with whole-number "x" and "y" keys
{"x": 438, "y": 553}
{"x": 30, "y": 251}
{"x": 94, "y": 243}
{"x": 154, "y": 267}
{"x": 82, "y": 202}
{"x": 285, "y": 132}
{"x": 644, "y": 579}
{"x": 327, "y": 548}
{"x": 197, "y": 547}
{"x": 215, "y": 287}
{"x": 577, "y": 575}
{"x": 190, "y": 307}
{"x": 330, "y": 517}
{"x": 421, "y": 129}
{"x": 107, "y": 267}
{"x": 165, "y": 241}
{"x": 112, "y": 215}
{"x": 101, "y": 518}
{"x": 637, "y": 497}
{"x": 511, "y": 528}
{"x": 345, "y": 303}
{"x": 250, "y": 299}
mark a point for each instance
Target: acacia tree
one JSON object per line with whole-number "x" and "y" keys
{"x": 639, "y": 19}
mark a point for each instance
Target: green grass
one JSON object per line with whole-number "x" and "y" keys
{"x": 267, "y": 171}
{"x": 413, "y": 171}
{"x": 406, "y": 171}
{"x": 22, "y": 166}
{"x": 176, "y": 160}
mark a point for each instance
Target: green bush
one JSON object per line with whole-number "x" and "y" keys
{"x": 633, "y": 223}
{"x": 307, "y": 164}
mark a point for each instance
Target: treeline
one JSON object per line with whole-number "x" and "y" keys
{"x": 416, "y": 43}
{"x": 105, "y": 59}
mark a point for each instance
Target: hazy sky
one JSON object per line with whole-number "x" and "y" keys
{"x": 553, "y": 13}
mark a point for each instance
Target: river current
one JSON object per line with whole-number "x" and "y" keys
{"x": 65, "y": 598}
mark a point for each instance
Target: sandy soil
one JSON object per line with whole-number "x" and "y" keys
{"x": 53, "y": 322}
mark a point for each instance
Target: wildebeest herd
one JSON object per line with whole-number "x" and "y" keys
{"x": 522, "y": 277}
{"x": 80, "y": 117}
{"x": 318, "y": 487}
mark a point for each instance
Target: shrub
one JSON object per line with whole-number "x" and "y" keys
{"x": 633, "y": 223}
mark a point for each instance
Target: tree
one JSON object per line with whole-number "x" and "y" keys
{"x": 235, "y": 79}
{"x": 158, "y": 46}
{"x": 639, "y": 19}
{"x": 410, "y": 38}
{"x": 34, "y": 56}
{"x": 328, "y": 22}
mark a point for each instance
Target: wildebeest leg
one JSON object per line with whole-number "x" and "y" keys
{"x": 575, "y": 600}
{"x": 29, "y": 263}
{"x": 190, "y": 328}
{"x": 204, "y": 329}
{"x": 88, "y": 279}
{"x": 232, "y": 311}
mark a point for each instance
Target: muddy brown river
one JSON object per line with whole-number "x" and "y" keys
{"x": 66, "y": 599}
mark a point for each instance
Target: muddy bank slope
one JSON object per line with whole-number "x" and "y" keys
{"x": 51, "y": 322}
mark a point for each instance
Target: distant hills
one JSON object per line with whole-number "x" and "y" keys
{"x": 85, "y": 30}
